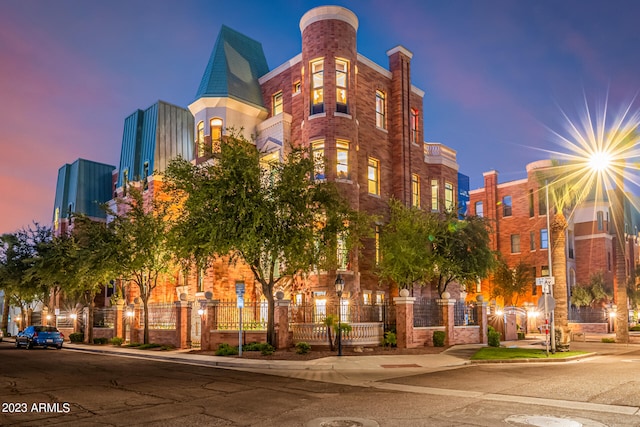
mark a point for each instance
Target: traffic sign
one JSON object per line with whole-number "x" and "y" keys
{"x": 551, "y": 303}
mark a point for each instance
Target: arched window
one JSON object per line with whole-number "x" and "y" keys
{"x": 216, "y": 134}
{"x": 414, "y": 125}
{"x": 200, "y": 139}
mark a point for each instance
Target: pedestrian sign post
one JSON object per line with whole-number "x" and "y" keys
{"x": 240, "y": 296}
{"x": 548, "y": 304}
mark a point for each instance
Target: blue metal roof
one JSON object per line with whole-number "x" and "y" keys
{"x": 234, "y": 67}
{"x": 154, "y": 137}
{"x": 83, "y": 187}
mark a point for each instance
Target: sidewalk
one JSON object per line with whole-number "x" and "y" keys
{"x": 455, "y": 356}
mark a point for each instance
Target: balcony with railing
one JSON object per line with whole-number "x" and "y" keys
{"x": 274, "y": 132}
{"x": 436, "y": 153}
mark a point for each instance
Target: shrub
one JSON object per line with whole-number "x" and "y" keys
{"x": 252, "y": 346}
{"x": 76, "y": 337}
{"x": 149, "y": 345}
{"x": 225, "y": 349}
{"x": 609, "y": 340}
{"x": 493, "y": 337}
{"x": 390, "y": 339}
{"x": 635, "y": 328}
{"x": 134, "y": 344}
{"x": 267, "y": 349}
{"x": 303, "y": 348}
{"x": 100, "y": 340}
{"x": 263, "y": 347}
{"x": 117, "y": 341}
{"x": 521, "y": 335}
{"x": 438, "y": 338}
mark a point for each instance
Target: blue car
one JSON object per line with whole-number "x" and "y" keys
{"x": 42, "y": 336}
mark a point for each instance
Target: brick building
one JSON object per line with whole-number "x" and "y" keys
{"x": 518, "y": 214}
{"x": 364, "y": 120}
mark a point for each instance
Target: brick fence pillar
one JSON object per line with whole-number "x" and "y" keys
{"x": 483, "y": 319}
{"x": 118, "y": 320}
{"x": 447, "y": 306}
{"x": 404, "y": 321}
{"x": 208, "y": 322}
{"x": 45, "y": 314}
{"x": 183, "y": 324}
{"x": 281, "y": 321}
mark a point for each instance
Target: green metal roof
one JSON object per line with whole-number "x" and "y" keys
{"x": 234, "y": 67}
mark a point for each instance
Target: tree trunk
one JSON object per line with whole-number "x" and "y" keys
{"x": 5, "y": 312}
{"x": 145, "y": 304}
{"x": 622, "y": 312}
{"x": 559, "y": 267}
{"x": 271, "y": 310}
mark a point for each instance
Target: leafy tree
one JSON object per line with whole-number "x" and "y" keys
{"x": 509, "y": 283}
{"x": 406, "y": 249}
{"x": 461, "y": 251}
{"x": 139, "y": 246}
{"x": 592, "y": 294}
{"x": 419, "y": 247}
{"x": 273, "y": 216}
{"x": 18, "y": 255}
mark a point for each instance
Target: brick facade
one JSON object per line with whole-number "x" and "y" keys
{"x": 329, "y": 34}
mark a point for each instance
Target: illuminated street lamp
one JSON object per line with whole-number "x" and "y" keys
{"x": 339, "y": 289}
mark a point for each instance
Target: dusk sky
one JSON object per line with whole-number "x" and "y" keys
{"x": 495, "y": 74}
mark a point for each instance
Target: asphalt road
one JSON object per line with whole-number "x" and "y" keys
{"x": 80, "y": 389}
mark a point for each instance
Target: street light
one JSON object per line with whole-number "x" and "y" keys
{"x": 339, "y": 289}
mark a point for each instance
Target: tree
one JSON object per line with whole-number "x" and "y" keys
{"x": 18, "y": 256}
{"x": 561, "y": 194}
{"x": 273, "y": 217}
{"x": 461, "y": 251}
{"x": 509, "y": 283}
{"x": 591, "y": 294}
{"x": 419, "y": 247}
{"x": 406, "y": 249}
{"x": 139, "y": 246}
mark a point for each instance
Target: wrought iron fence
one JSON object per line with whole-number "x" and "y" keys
{"x": 162, "y": 316}
{"x": 588, "y": 315}
{"x": 464, "y": 314}
{"x": 254, "y": 315}
{"x": 104, "y": 317}
{"x": 427, "y": 312}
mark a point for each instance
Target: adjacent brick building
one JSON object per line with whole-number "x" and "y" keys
{"x": 518, "y": 214}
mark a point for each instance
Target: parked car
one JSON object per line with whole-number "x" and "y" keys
{"x": 43, "y": 336}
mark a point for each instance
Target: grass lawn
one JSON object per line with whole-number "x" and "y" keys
{"x": 502, "y": 353}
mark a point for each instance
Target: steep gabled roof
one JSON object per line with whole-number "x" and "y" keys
{"x": 234, "y": 67}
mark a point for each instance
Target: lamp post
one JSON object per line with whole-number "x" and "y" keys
{"x": 339, "y": 289}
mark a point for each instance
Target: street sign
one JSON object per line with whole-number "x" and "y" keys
{"x": 239, "y": 288}
{"x": 546, "y": 283}
{"x": 240, "y": 301}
